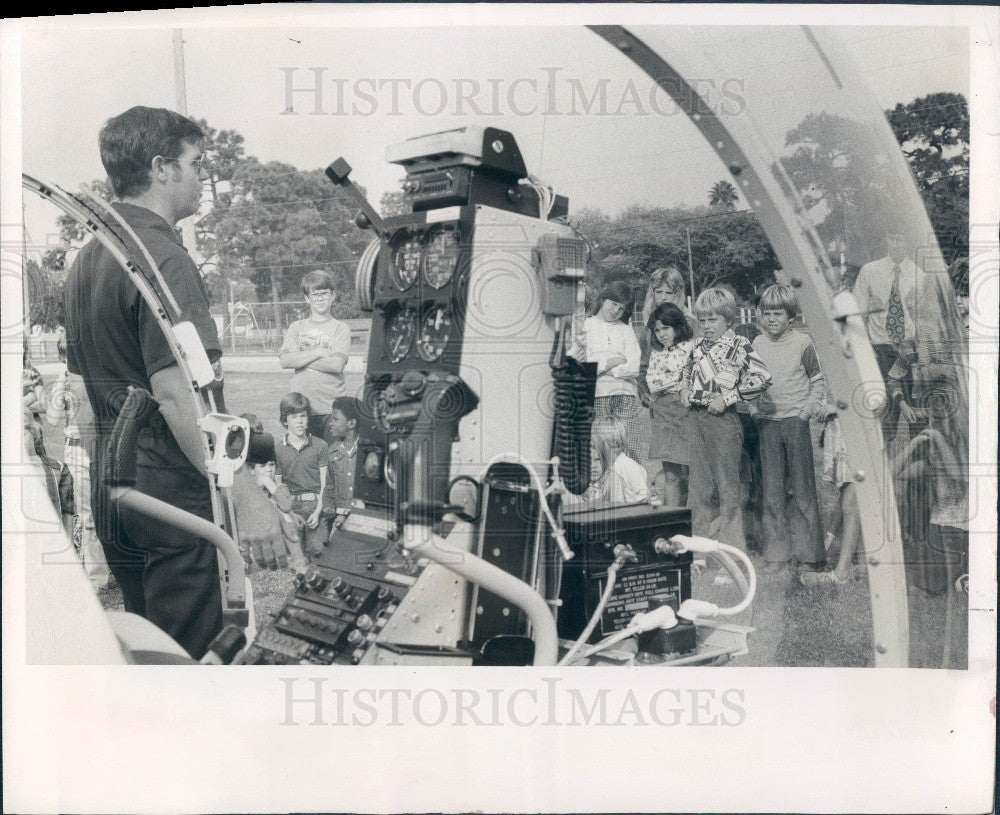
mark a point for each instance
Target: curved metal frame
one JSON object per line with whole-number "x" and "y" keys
{"x": 85, "y": 213}
{"x": 839, "y": 336}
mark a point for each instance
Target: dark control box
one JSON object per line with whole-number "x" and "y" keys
{"x": 652, "y": 579}
{"x": 342, "y": 602}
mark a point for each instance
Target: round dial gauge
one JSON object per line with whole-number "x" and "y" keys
{"x": 373, "y": 465}
{"x": 399, "y": 334}
{"x": 441, "y": 257}
{"x": 406, "y": 263}
{"x": 435, "y": 331}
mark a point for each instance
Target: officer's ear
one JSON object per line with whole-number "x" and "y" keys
{"x": 158, "y": 167}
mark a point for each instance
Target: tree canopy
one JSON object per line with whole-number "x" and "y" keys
{"x": 934, "y": 134}
{"x": 270, "y": 222}
{"x": 723, "y": 196}
{"x": 726, "y": 247}
{"x": 853, "y": 196}
{"x": 276, "y": 224}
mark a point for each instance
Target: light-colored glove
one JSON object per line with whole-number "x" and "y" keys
{"x": 262, "y": 540}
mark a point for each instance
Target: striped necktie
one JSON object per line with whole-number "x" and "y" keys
{"x": 895, "y": 322}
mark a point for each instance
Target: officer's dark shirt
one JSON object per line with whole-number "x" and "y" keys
{"x": 112, "y": 338}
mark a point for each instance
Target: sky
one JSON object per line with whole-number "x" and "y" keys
{"x": 380, "y": 86}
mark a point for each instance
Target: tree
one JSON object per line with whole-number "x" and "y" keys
{"x": 723, "y": 196}
{"x": 933, "y": 132}
{"x": 224, "y": 152}
{"x": 851, "y": 193}
{"x": 72, "y": 235}
{"x": 46, "y": 280}
{"x": 46, "y": 286}
{"x": 279, "y": 223}
{"x": 394, "y": 203}
{"x": 733, "y": 250}
{"x": 727, "y": 248}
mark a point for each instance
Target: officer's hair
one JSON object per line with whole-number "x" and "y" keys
{"x": 294, "y": 402}
{"x": 130, "y": 141}
{"x": 716, "y": 302}
{"x": 778, "y": 297}
{"x": 319, "y": 279}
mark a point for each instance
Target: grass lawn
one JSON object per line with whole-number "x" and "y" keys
{"x": 794, "y": 626}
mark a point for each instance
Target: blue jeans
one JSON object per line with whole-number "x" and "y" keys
{"x": 716, "y": 445}
{"x": 313, "y": 540}
{"x": 786, "y": 461}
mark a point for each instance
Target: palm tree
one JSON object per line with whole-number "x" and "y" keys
{"x": 723, "y": 195}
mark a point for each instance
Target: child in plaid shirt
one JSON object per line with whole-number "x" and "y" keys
{"x": 723, "y": 370}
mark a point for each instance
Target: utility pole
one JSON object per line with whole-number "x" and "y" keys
{"x": 180, "y": 86}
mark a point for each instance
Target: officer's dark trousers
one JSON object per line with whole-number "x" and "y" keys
{"x": 169, "y": 576}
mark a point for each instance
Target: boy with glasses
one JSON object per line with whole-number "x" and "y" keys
{"x": 317, "y": 348}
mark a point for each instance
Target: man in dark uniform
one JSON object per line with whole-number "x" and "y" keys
{"x": 153, "y": 158}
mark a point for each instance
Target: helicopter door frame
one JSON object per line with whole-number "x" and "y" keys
{"x": 838, "y": 334}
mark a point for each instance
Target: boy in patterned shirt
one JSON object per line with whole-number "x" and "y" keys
{"x": 723, "y": 371}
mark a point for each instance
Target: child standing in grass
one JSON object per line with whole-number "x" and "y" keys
{"x": 670, "y": 341}
{"x": 723, "y": 370}
{"x": 612, "y": 344}
{"x": 317, "y": 348}
{"x": 301, "y": 461}
{"x": 845, "y": 518}
{"x": 341, "y": 436}
{"x": 783, "y": 413}
{"x": 614, "y": 477}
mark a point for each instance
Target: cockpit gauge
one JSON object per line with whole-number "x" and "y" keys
{"x": 373, "y": 465}
{"x": 406, "y": 263}
{"x": 435, "y": 331}
{"x": 441, "y": 256}
{"x": 399, "y": 334}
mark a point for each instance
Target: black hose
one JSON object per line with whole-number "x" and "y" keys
{"x": 574, "y": 384}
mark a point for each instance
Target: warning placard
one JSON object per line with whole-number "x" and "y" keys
{"x": 632, "y": 592}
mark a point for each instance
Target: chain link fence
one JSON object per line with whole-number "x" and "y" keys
{"x": 257, "y": 329}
